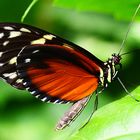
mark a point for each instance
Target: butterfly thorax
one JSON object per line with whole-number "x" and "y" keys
{"x": 110, "y": 69}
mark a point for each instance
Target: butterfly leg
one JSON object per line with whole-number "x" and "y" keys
{"x": 94, "y": 109}
{"x": 72, "y": 113}
{"x": 127, "y": 90}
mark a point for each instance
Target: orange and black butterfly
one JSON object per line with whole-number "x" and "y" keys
{"x": 51, "y": 68}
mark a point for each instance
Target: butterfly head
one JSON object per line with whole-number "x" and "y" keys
{"x": 116, "y": 58}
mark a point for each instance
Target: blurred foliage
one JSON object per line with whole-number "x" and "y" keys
{"x": 99, "y": 28}
{"x": 28, "y": 10}
{"x": 116, "y": 120}
{"x": 122, "y": 9}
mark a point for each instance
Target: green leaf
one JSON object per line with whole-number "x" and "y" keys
{"x": 28, "y": 10}
{"x": 122, "y": 9}
{"x": 119, "y": 120}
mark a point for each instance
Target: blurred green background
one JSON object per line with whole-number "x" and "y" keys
{"x": 97, "y": 26}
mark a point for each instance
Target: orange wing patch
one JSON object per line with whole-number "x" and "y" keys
{"x": 63, "y": 79}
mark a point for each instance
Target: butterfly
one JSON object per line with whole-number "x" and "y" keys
{"x": 51, "y": 68}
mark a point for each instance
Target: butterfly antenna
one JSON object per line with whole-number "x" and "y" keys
{"x": 127, "y": 90}
{"x": 129, "y": 27}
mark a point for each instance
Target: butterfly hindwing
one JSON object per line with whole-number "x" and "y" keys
{"x": 57, "y": 73}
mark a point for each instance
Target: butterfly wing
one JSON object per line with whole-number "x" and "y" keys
{"x": 51, "y": 68}
{"x": 58, "y": 73}
{"x": 14, "y": 37}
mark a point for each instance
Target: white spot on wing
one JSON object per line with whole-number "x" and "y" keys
{"x": 32, "y": 92}
{"x": 49, "y": 37}
{"x": 19, "y": 81}
{"x": 48, "y": 101}
{"x": 13, "y": 76}
{"x": 10, "y": 75}
{"x": 44, "y": 99}
{"x": 1, "y": 35}
{"x": 37, "y": 96}
{"x": 39, "y": 41}
{"x": 35, "y": 51}
{"x": 55, "y": 101}
{"x": 27, "y": 60}
{"x": 25, "y": 30}
{"x": 1, "y": 64}
{"x": 8, "y": 28}
{"x": 67, "y": 102}
{"x": 13, "y": 60}
{"x": 14, "y": 34}
{"x": 5, "y": 43}
{"x": 60, "y": 102}
{"x": 1, "y": 54}
{"x": 24, "y": 83}
{"x": 27, "y": 88}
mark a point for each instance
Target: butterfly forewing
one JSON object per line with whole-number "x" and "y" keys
{"x": 13, "y": 38}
